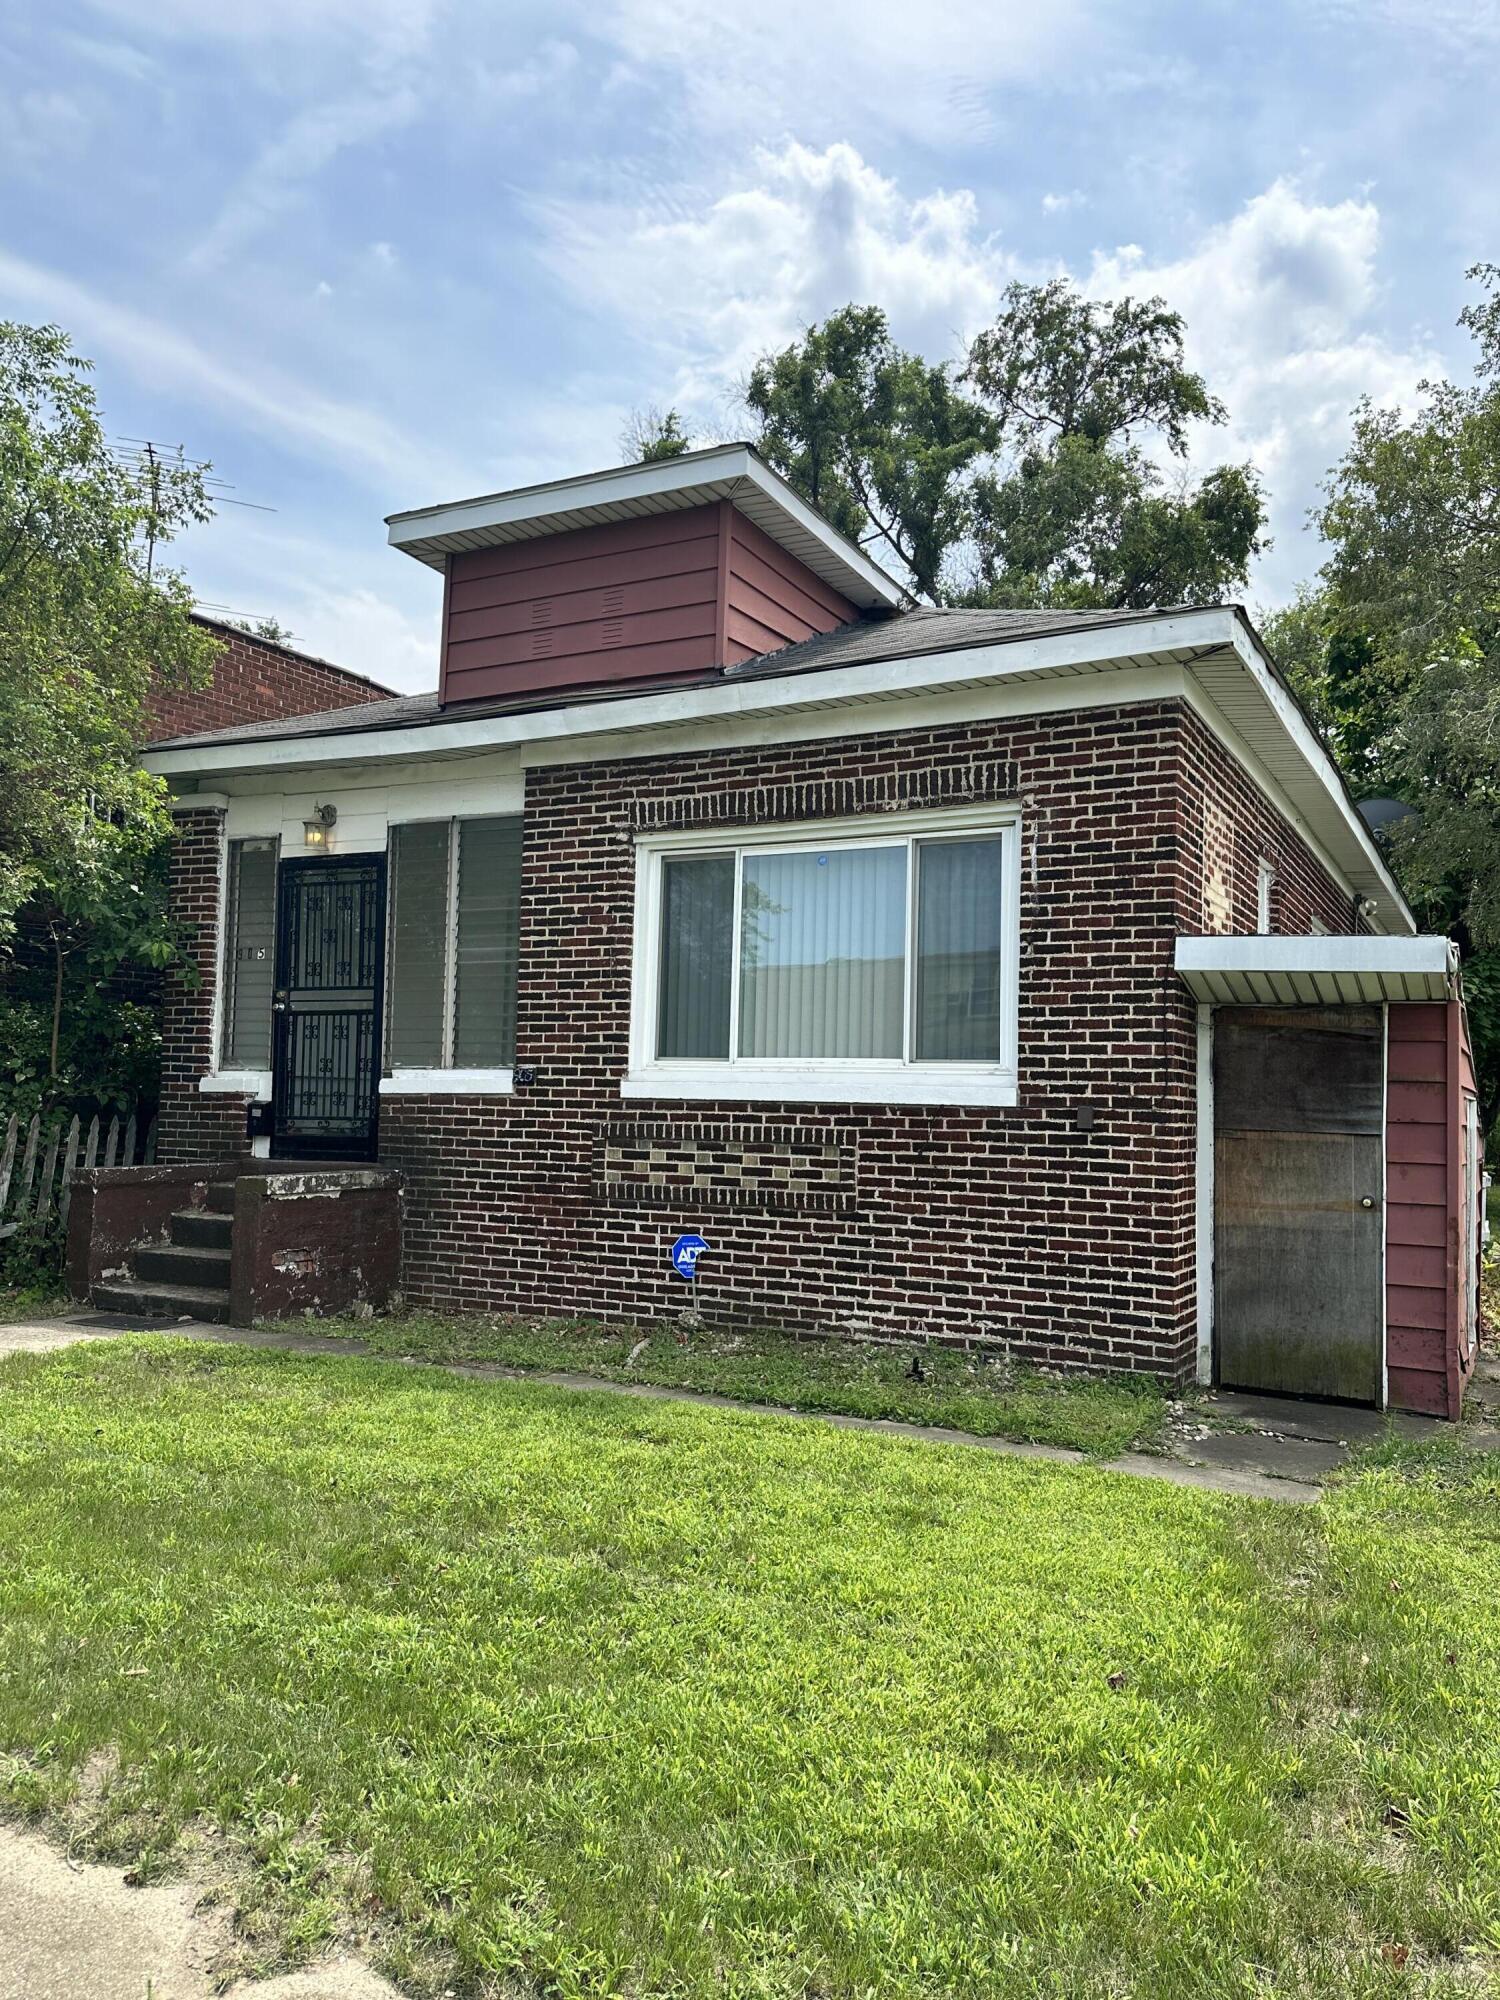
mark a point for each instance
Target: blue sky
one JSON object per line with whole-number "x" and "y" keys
{"x": 370, "y": 254}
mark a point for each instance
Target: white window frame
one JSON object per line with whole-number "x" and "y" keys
{"x": 820, "y": 1080}
{"x": 443, "y": 1080}
{"x": 220, "y": 1080}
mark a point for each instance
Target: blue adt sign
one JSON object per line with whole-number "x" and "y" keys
{"x": 685, "y": 1254}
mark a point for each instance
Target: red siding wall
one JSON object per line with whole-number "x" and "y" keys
{"x": 771, "y": 600}
{"x": 256, "y": 681}
{"x": 1424, "y": 1191}
{"x": 670, "y": 595}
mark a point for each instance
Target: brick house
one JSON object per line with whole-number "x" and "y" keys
{"x": 256, "y": 680}
{"x": 1016, "y": 978}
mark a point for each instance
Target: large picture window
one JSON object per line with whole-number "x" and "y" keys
{"x": 455, "y": 904}
{"x": 866, "y": 963}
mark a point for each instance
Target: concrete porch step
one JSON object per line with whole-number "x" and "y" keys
{"x": 183, "y": 1264}
{"x": 202, "y": 1229}
{"x": 221, "y": 1198}
{"x": 155, "y": 1301}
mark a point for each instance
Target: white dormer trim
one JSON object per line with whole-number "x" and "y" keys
{"x": 734, "y": 472}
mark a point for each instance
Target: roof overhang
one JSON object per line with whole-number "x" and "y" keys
{"x": 731, "y": 472}
{"x": 1316, "y": 971}
{"x": 1211, "y": 657}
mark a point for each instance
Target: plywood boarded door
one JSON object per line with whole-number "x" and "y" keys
{"x": 1298, "y": 1159}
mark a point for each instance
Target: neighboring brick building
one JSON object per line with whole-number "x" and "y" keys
{"x": 256, "y": 680}
{"x": 864, "y": 959}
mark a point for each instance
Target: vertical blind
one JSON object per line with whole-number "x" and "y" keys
{"x": 820, "y": 957}
{"x": 249, "y": 954}
{"x": 417, "y": 999}
{"x": 697, "y": 925}
{"x": 959, "y": 940}
{"x": 487, "y": 941}
{"x": 480, "y": 913}
{"x": 823, "y": 953}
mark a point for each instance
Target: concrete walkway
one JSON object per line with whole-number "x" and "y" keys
{"x": 1257, "y": 1447}
{"x": 72, "y": 1930}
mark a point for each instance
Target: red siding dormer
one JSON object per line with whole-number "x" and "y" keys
{"x": 656, "y": 598}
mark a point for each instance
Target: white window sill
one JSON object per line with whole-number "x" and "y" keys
{"x": 254, "y": 1083}
{"x": 448, "y": 1083}
{"x": 824, "y": 1083}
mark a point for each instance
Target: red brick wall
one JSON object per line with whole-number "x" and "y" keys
{"x": 1075, "y": 1248}
{"x": 1219, "y": 802}
{"x": 256, "y": 681}
{"x": 193, "y": 1125}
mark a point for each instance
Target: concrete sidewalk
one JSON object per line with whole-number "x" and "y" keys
{"x": 1256, "y": 1447}
{"x": 72, "y": 1930}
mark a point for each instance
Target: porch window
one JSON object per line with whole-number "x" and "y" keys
{"x": 455, "y": 902}
{"x": 249, "y": 954}
{"x": 863, "y": 964}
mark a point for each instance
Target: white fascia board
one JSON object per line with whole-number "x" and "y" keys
{"x": 565, "y": 496}
{"x": 883, "y": 588}
{"x": 762, "y": 699}
{"x": 687, "y": 477}
{"x": 1317, "y": 759}
{"x": 746, "y": 696}
{"x": 1414, "y": 957}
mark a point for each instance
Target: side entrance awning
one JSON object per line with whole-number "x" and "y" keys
{"x": 1317, "y": 971}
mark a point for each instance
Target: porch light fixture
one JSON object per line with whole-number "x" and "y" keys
{"x": 315, "y": 830}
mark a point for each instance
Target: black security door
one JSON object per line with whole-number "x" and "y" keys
{"x": 330, "y": 948}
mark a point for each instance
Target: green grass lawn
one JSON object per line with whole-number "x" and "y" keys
{"x": 967, "y": 1392}
{"x": 554, "y": 1694}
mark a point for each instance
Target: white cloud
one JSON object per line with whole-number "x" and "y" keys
{"x": 366, "y": 632}
{"x": 384, "y": 29}
{"x": 1278, "y": 302}
{"x": 538, "y": 75}
{"x": 1059, "y": 204}
{"x": 815, "y": 230}
{"x": 928, "y": 72}
{"x": 1445, "y": 24}
{"x": 350, "y": 600}
{"x": 41, "y": 128}
{"x": 1281, "y": 302}
{"x": 304, "y": 146}
{"x": 314, "y": 426}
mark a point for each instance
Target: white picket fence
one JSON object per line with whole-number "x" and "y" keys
{"x": 37, "y": 1162}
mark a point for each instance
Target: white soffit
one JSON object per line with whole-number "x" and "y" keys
{"x": 1227, "y": 678}
{"x": 1316, "y": 971}
{"x": 725, "y": 472}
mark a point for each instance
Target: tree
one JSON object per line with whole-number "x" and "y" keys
{"x": 89, "y": 620}
{"x": 1332, "y": 665}
{"x": 1410, "y": 605}
{"x": 270, "y": 629}
{"x": 1080, "y": 514}
{"x": 650, "y": 435}
{"x": 878, "y": 440}
{"x": 1038, "y": 488}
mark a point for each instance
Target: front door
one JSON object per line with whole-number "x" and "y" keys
{"x": 330, "y": 947}
{"x": 1298, "y": 1200}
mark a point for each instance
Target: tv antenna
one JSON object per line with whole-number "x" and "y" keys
{"x": 153, "y": 460}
